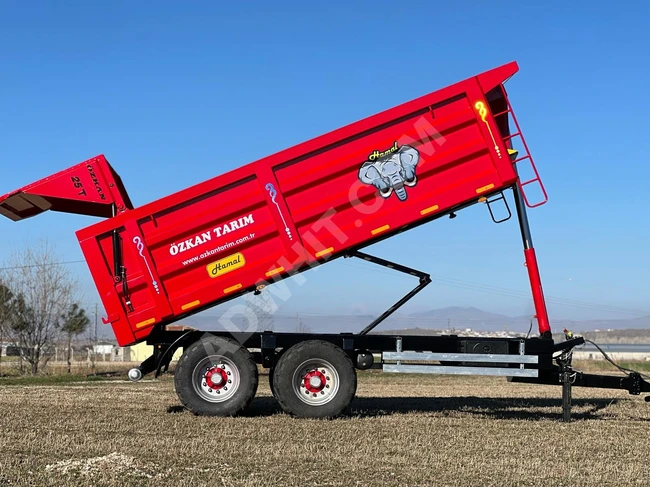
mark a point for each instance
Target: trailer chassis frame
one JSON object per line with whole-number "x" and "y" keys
{"x": 516, "y": 360}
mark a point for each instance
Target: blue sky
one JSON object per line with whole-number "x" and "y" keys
{"x": 174, "y": 93}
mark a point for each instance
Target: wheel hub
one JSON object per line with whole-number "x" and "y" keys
{"x": 315, "y": 381}
{"x": 216, "y": 377}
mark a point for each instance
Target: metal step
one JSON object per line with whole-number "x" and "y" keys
{"x": 400, "y": 356}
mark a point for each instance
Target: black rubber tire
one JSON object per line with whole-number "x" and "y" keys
{"x": 230, "y": 349}
{"x": 290, "y": 361}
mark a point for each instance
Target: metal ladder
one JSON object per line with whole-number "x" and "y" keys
{"x": 508, "y": 141}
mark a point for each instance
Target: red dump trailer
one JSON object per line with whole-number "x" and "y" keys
{"x": 323, "y": 199}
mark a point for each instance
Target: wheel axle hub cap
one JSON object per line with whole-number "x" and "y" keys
{"x": 315, "y": 381}
{"x": 216, "y": 378}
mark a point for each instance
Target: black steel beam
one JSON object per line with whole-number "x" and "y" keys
{"x": 424, "y": 278}
{"x": 633, "y": 383}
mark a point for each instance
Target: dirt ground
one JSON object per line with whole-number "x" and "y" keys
{"x": 401, "y": 431}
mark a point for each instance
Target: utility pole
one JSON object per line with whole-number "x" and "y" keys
{"x": 95, "y": 341}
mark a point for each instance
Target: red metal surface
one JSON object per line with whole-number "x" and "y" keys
{"x": 289, "y": 211}
{"x": 218, "y": 373}
{"x": 538, "y": 293}
{"x": 321, "y": 377}
{"x": 89, "y": 188}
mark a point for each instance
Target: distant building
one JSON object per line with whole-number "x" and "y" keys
{"x": 141, "y": 352}
{"x": 103, "y": 348}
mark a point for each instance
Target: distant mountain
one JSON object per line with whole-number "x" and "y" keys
{"x": 459, "y": 317}
{"x": 451, "y": 319}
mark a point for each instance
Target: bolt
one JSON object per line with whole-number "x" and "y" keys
{"x": 323, "y": 371}
{"x": 302, "y": 385}
{"x": 223, "y": 366}
{"x": 225, "y": 388}
{"x": 307, "y": 392}
{"x": 218, "y": 392}
{"x": 209, "y": 390}
{"x": 315, "y": 395}
{"x": 229, "y": 382}
{"x": 327, "y": 378}
{"x": 322, "y": 392}
{"x": 327, "y": 385}
{"x": 205, "y": 384}
{"x": 228, "y": 372}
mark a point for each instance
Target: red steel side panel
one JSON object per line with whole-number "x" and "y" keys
{"x": 343, "y": 190}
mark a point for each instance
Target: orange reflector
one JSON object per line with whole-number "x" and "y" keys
{"x": 429, "y": 210}
{"x": 482, "y": 199}
{"x": 275, "y": 271}
{"x": 142, "y": 324}
{"x": 483, "y": 189}
{"x": 380, "y": 229}
{"x": 324, "y": 252}
{"x": 232, "y": 288}
{"x": 190, "y": 305}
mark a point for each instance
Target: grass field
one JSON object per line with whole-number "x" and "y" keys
{"x": 401, "y": 431}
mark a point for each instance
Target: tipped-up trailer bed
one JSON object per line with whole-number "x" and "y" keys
{"x": 284, "y": 214}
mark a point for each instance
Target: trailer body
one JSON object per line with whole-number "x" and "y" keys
{"x": 285, "y": 213}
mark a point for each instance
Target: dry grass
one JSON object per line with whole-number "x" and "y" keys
{"x": 402, "y": 431}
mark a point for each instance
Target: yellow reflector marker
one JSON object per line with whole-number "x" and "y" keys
{"x": 142, "y": 324}
{"x": 275, "y": 271}
{"x": 380, "y": 229}
{"x": 482, "y": 199}
{"x": 190, "y": 305}
{"x": 232, "y": 288}
{"x": 324, "y": 252}
{"x": 429, "y": 210}
{"x": 483, "y": 189}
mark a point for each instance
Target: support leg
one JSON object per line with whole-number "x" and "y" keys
{"x": 566, "y": 395}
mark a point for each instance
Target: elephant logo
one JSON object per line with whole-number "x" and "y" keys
{"x": 391, "y": 170}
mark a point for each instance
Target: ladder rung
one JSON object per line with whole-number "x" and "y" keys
{"x": 521, "y": 159}
{"x": 534, "y": 180}
{"x": 508, "y": 137}
{"x": 509, "y": 110}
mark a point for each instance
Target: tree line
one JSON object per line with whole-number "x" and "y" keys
{"x": 39, "y": 305}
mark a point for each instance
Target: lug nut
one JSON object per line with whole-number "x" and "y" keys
{"x": 323, "y": 371}
{"x": 322, "y": 393}
{"x": 229, "y": 382}
{"x": 228, "y": 372}
{"x": 209, "y": 390}
{"x": 225, "y": 388}
{"x": 205, "y": 384}
{"x": 327, "y": 385}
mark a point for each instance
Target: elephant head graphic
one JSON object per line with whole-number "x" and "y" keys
{"x": 391, "y": 172}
